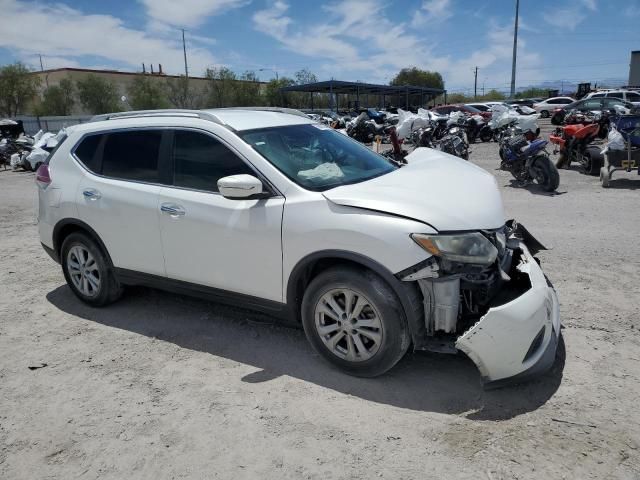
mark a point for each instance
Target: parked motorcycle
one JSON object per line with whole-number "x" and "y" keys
{"x": 525, "y": 158}
{"x": 574, "y": 144}
{"x": 455, "y": 142}
{"x": 504, "y": 119}
{"x": 364, "y": 130}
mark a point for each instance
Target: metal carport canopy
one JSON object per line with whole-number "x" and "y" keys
{"x": 341, "y": 87}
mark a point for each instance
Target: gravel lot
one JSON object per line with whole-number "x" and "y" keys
{"x": 163, "y": 386}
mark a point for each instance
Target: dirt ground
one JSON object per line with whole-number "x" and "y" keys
{"x": 164, "y": 386}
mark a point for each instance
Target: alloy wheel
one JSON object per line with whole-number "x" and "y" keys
{"x": 348, "y": 324}
{"x": 83, "y": 270}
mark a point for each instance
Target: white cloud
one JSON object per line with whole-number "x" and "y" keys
{"x": 432, "y": 11}
{"x": 357, "y": 40}
{"x": 571, "y": 14}
{"x": 188, "y": 13}
{"x": 60, "y": 31}
{"x": 317, "y": 40}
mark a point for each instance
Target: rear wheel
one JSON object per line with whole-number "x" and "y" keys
{"x": 545, "y": 173}
{"x": 486, "y": 134}
{"x": 355, "y": 321}
{"x": 592, "y": 161}
{"x": 88, "y": 272}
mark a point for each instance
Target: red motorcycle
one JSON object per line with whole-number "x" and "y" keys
{"x": 574, "y": 143}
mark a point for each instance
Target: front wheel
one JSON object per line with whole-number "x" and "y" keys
{"x": 545, "y": 173}
{"x": 486, "y": 134}
{"x": 544, "y": 114}
{"x": 355, "y": 321}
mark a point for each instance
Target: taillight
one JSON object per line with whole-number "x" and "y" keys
{"x": 43, "y": 178}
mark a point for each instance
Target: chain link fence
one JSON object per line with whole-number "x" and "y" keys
{"x": 50, "y": 124}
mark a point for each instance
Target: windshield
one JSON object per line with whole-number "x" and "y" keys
{"x": 315, "y": 156}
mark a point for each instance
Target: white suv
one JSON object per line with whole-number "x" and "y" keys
{"x": 270, "y": 210}
{"x": 626, "y": 95}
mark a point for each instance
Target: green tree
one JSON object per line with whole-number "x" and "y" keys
{"x": 417, "y": 77}
{"x": 222, "y": 85}
{"x": 493, "y": 95}
{"x": 182, "y": 94}
{"x": 301, "y": 99}
{"x": 247, "y": 90}
{"x": 98, "y": 95}
{"x": 533, "y": 92}
{"x": 18, "y": 87}
{"x": 274, "y": 97}
{"x": 58, "y": 99}
{"x": 147, "y": 93}
{"x": 458, "y": 98}
{"x": 305, "y": 76}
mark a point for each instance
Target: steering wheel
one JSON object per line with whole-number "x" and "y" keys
{"x": 336, "y": 157}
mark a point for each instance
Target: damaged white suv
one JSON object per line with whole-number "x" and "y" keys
{"x": 268, "y": 209}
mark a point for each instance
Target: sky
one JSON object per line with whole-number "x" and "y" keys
{"x": 357, "y": 40}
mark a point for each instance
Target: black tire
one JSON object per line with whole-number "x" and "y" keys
{"x": 395, "y": 338}
{"x": 109, "y": 289}
{"x": 544, "y": 114}
{"x": 561, "y": 162}
{"x": 486, "y": 135}
{"x": 547, "y": 174}
{"x": 593, "y": 161}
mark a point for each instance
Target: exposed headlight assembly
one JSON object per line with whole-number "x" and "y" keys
{"x": 472, "y": 248}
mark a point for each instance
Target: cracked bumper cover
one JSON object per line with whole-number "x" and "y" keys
{"x": 504, "y": 343}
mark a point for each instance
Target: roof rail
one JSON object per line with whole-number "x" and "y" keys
{"x": 290, "y": 111}
{"x": 171, "y": 112}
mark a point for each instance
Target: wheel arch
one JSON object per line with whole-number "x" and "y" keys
{"x": 67, "y": 226}
{"x": 312, "y": 265}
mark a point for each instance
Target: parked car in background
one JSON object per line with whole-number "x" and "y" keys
{"x": 527, "y": 102}
{"x": 483, "y": 107}
{"x": 270, "y": 210}
{"x": 626, "y": 95}
{"x": 546, "y": 107}
{"x": 591, "y": 105}
{"x": 459, "y": 107}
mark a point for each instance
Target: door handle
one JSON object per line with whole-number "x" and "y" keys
{"x": 91, "y": 194}
{"x": 172, "y": 209}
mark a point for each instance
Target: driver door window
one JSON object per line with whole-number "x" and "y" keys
{"x": 201, "y": 160}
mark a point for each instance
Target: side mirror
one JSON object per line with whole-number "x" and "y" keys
{"x": 240, "y": 187}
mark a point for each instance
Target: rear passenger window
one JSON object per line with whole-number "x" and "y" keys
{"x": 200, "y": 161}
{"x": 87, "y": 152}
{"x": 132, "y": 155}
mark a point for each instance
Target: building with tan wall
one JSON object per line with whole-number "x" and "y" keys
{"x": 122, "y": 81}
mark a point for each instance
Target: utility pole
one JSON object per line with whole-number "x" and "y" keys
{"x": 475, "y": 85}
{"x": 483, "y": 88}
{"x": 515, "y": 52}
{"x": 41, "y": 65}
{"x": 184, "y": 49}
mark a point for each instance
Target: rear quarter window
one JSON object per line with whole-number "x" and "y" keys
{"x": 87, "y": 152}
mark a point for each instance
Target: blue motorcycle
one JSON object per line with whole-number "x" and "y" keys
{"x": 527, "y": 160}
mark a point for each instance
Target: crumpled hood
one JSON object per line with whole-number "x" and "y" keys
{"x": 436, "y": 188}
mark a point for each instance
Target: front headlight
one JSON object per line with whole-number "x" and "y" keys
{"x": 464, "y": 248}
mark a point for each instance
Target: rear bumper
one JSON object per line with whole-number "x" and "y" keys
{"x": 519, "y": 339}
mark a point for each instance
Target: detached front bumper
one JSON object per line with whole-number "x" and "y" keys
{"x": 518, "y": 339}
